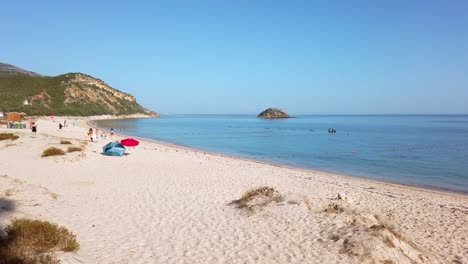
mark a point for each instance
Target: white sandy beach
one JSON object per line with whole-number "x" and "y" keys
{"x": 165, "y": 204}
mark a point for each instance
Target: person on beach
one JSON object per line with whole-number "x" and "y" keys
{"x": 112, "y": 131}
{"x": 65, "y": 123}
{"x": 34, "y": 127}
{"x": 60, "y": 126}
{"x": 90, "y": 134}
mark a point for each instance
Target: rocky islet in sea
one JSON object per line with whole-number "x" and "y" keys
{"x": 273, "y": 113}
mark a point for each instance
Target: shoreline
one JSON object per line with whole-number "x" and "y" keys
{"x": 428, "y": 188}
{"x": 166, "y": 203}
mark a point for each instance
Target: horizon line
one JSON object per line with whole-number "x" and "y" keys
{"x": 406, "y": 114}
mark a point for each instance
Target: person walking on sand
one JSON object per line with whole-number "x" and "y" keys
{"x": 90, "y": 134}
{"x": 34, "y": 127}
{"x": 112, "y": 131}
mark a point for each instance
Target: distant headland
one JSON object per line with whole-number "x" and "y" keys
{"x": 71, "y": 94}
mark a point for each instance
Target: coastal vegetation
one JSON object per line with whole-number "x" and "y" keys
{"x": 6, "y": 136}
{"x": 52, "y": 151}
{"x": 29, "y": 241}
{"x": 74, "y": 149}
{"x": 75, "y": 94}
{"x": 258, "y": 197}
{"x": 65, "y": 142}
{"x": 334, "y": 208}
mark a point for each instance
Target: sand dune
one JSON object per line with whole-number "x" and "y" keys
{"x": 165, "y": 204}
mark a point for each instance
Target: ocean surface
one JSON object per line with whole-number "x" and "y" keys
{"x": 422, "y": 150}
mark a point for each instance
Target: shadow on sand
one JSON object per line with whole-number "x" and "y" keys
{"x": 6, "y": 206}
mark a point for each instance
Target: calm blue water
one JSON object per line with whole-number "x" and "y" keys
{"x": 429, "y": 151}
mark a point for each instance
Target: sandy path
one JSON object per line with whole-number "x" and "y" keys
{"x": 163, "y": 204}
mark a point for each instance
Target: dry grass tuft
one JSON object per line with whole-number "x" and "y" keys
{"x": 381, "y": 227}
{"x": 74, "y": 149}
{"x": 334, "y": 208}
{"x": 369, "y": 239}
{"x": 9, "y": 192}
{"x": 10, "y": 136}
{"x": 34, "y": 241}
{"x": 52, "y": 152}
{"x": 65, "y": 142}
{"x": 258, "y": 197}
{"x": 54, "y": 196}
{"x": 307, "y": 203}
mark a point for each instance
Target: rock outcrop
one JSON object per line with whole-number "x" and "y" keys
{"x": 273, "y": 113}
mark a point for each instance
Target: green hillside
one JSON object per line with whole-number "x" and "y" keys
{"x": 67, "y": 94}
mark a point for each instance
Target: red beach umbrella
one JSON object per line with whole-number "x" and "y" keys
{"x": 129, "y": 142}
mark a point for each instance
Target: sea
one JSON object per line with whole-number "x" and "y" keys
{"x": 428, "y": 151}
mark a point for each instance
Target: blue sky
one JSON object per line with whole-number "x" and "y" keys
{"x": 308, "y": 57}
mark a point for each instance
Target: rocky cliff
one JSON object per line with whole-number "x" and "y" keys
{"x": 67, "y": 94}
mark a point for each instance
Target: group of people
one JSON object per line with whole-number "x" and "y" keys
{"x": 33, "y": 125}
{"x": 94, "y": 135}
{"x": 64, "y": 124}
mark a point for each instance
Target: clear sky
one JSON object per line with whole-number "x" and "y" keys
{"x": 242, "y": 56}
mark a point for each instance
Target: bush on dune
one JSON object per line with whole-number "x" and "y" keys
{"x": 258, "y": 197}
{"x": 74, "y": 149}
{"x": 10, "y": 136}
{"x": 29, "y": 241}
{"x": 53, "y": 152}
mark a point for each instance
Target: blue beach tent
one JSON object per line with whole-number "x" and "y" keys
{"x": 113, "y": 149}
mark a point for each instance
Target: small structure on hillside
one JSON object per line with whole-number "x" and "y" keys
{"x": 15, "y": 116}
